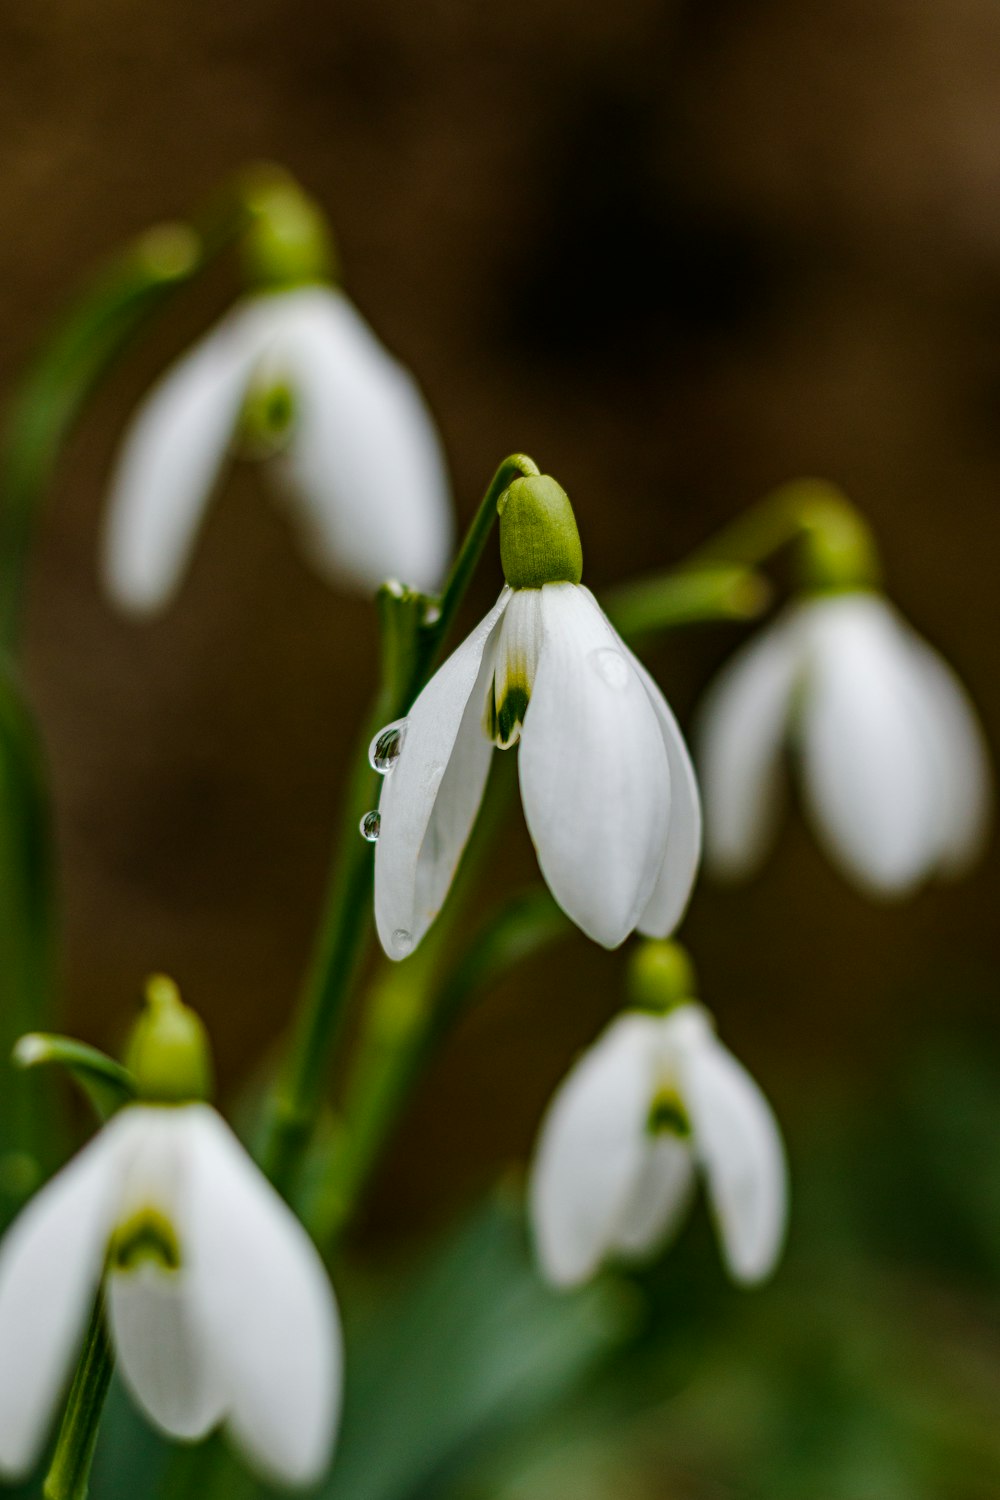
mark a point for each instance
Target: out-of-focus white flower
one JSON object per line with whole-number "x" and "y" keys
{"x": 219, "y": 1308}
{"x": 360, "y": 460}
{"x": 607, "y": 785}
{"x": 894, "y": 765}
{"x": 656, "y": 1100}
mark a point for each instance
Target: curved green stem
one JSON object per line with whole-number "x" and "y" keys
{"x": 691, "y": 596}
{"x": 414, "y": 630}
{"x": 69, "y": 1472}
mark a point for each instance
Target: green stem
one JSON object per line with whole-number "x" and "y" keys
{"x": 664, "y": 601}
{"x": 346, "y": 924}
{"x": 835, "y": 546}
{"x": 69, "y": 1474}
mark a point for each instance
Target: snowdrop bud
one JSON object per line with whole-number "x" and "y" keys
{"x": 288, "y": 243}
{"x": 661, "y": 976}
{"x": 168, "y": 1052}
{"x": 539, "y": 541}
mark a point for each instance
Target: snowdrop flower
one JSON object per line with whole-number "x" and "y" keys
{"x": 294, "y": 370}
{"x": 894, "y": 766}
{"x": 654, "y": 1102}
{"x": 607, "y": 786}
{"x": 218, "y": 1306}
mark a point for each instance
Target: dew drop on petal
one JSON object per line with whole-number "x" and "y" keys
{"x": 402, "y": 941}
{"x": 371, "y": 825}
{"x": 383, "y": 752}
{"x": 611, "y": 666}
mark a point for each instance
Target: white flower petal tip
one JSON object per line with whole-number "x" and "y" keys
{"x": 656, "y": 1101}
{"x": 895, "y": 769}
{"x": 219, "y": 1308}
{"x": 362, "y": 462}
{"x": 607, "y": 786}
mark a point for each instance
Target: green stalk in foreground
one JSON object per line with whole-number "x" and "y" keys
{"x": 414, "y": 630}
{"x": 69, "y": 1473}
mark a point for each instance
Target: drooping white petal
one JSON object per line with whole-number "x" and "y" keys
{"x": 741, "y": 725}
{"x": 266, "y": 1308}
{"x": 736, "y": 1139}
{"x": 679, "y": 868}
{"x": 430, "y": 799}
{"x": 162, "y": 1351}
{"x": 365, "y": 460}
{"x": 592, "y": 1151}
{"x": 595, "y": 782}
{"x": 660, "y": 1197}
{"x": 50, "y": 1269}
{"x": 169, "y": 461}
{"x": 869, "y": 771}
{"x": 963, "y": 779}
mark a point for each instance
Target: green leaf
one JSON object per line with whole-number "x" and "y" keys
{"x": 105, "y": 1082}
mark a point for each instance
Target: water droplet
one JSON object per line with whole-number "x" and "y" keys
{"x": 611, "y": 666}
{"x": 371, "y": 825}
{"x": 383, "y": 752}
{"x": 402, "y": 941}
{"x": 432, "y": 614}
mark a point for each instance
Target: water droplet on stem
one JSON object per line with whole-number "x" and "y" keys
{"x": 371, "y": 825}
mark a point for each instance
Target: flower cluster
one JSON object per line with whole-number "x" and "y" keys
{"x": 162, "y": 1235}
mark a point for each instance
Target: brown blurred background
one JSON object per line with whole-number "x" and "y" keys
{"x": 679, "y": 253}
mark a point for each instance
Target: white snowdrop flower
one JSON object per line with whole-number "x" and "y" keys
{"x": 894, "y": 765}
{"x": 654, "y": 1102}
{"x": 218, "y": 1306}
{"x": 607, "y": 786}
{"x": 356, "y": 450}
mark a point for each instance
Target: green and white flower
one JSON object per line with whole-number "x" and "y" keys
{"x": 298, "y": 376}
{"x": 654, "y": 1102}
{"x": 219, "y": 1308}
{"x": 607, "y": 786}
{"x": 893, "y": 760}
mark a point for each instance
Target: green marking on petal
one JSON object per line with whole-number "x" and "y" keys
{"x": 667, "y": 1115}
{"x": 146, "y": 1238}
{"x": 510, "y": 714}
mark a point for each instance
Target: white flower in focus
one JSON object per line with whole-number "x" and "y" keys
{"x": 894, "y": 765}
{"x": 607, "y": 786}
{"x": 360, "y": 460}
{"x": 218, "y": 1305}
{"x": 653, "y": 1103}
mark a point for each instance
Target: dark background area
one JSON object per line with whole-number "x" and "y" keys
{"x": 679, "y": 253}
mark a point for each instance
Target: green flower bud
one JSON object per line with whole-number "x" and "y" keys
{"x": 168, "y": 1052}
{"x": 660, "y": 977}
{"x": 288, "y": 243}
{"x": 539, "y": 542}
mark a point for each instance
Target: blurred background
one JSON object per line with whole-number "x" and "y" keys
{"x": 679, "y": 253}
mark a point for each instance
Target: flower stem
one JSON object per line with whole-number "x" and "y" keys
{"x": 69, "y": 1473}
{"x": 412, "y": 640}
{"x": 689, "y": 596}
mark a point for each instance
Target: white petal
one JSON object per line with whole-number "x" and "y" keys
{"x": 267, "y": 1309}
{"x": 679, "y": 868}
{"x": 430, "y": 799}
{"x": 737, "y": 1141}
{"x": 595, "y": 782}
{"x": 592, "y": 1149}
{"x": 160, "y": 1344}
{"x": 660, "y": 1197}
{"x": 50, "y": 1269}
{"x": 869, "y": 770}
{"x": 963, "y": 776}
{"x": 365, "y": 459}
{"x": 169, "y": 461}
{"x": 739, "y": 733}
